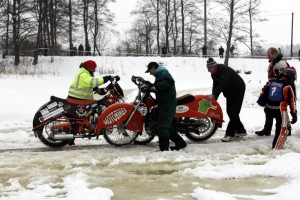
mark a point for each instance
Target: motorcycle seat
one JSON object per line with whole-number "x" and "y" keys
{"x": 187, "y": 98}
{"x": 80, "y": 101}
{"x": 54, "y": 98}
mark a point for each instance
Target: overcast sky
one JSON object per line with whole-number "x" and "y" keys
{"x": 276, "y": 30}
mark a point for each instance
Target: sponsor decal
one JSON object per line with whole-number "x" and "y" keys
{"x": 88, "y": 113}
{"x": 285, "y": 119}
{"x": 114, "y": 116}
{"x": 67, "y": 107}
{"x": 51, "y": 114}
{"x": 205, "y": 105}
{"x": 217, "y": 116}
{"x": 81, "y": 110}
{"x": 52, "y": 105}
{"x": 94, "y": 105}
{"x": 182, "y": 109}
{"x": 45, "y": 111}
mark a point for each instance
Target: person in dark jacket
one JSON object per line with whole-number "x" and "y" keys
{"x": 80, "y": 50}
{"x": 276, "y": 67}
{"x": 204, "y": 51}
{"x": 164, "y": 88}
{"x": 277, "y": 95}
{"x": 221, "y": 52}
{"x": 226, "y": 80}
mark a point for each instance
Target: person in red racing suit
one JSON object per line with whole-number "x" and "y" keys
{"x": 278, "y": 94}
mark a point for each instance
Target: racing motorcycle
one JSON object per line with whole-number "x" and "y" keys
{"x": 60, "y": 121}
{"x": 196, "y": 116}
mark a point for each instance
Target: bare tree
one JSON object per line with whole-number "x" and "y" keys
{"x": 236, "y": 9}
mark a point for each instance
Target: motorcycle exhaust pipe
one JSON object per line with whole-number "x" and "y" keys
{"x": 63, "y": 137}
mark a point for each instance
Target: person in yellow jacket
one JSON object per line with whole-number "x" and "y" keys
{"x": 84, "y": 82}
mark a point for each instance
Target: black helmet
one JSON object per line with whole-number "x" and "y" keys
{"x": 290, "y": 74}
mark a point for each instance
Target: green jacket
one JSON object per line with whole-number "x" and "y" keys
{"x": 166, "y": 99}
{"x": 83, "y": 84}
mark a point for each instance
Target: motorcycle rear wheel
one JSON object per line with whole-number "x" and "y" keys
{"x": 45, "y": 134}
{"x": 207, "y": 129}
{"x": 119, "y": 136}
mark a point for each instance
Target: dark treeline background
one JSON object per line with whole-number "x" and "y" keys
{"x": 183, "y": 27}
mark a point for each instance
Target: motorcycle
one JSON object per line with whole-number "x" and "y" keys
{"x": 196, "y": 116}
{"x": 60, "y": 121}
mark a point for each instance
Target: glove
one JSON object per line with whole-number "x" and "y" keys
{"x": 145, "y": 88}
{"x": 107, "y": 78}
{"x": 294, "y": 118}
{"x": 117, "y": 78}
{"x": 102, "y": 91}
{"x": 149, "y": 83}
{"x": 95, "y": 89}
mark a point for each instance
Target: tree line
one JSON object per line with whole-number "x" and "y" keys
{"x": 182, "y": 26}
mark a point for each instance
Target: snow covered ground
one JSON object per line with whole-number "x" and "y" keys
{"x": 248, "y": 169}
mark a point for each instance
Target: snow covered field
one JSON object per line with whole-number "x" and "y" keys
{"x": 248, "y": 169}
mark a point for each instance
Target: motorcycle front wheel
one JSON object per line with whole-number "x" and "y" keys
{"x": 119, "y": 136}
{"x": 46, "y": 132}
{"x": 199, "y": 129}
{"x": 143, "y": 138}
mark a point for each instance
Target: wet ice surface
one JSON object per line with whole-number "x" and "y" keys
{"x": 247, "y": 169}
{"x": 211, "y": 170}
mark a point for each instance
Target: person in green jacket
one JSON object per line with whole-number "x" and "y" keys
{"x": 164, "y": 88}
{"x": 84, "y": 82}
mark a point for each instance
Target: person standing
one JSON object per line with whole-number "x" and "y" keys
{"x": 278, "y": 94}
{"x": 71, "y": 50}
{"x": 204, "y": 51}
{"x": 164, "y": 51}
{"x": 299, "y": 54}
{"x": 232, "y": 48}
{"x": 276, "y": 66}
{"x": 80, "y": 50}
{"x": 221, "y": 52}
{"x": 165, "y": 91}
{"x": 226, "y": 80}
{"x": 45, "y": 49}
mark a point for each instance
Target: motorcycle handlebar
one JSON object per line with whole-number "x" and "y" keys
{"x": 103, "y": 91}
{"x": 115, "y": 78}
{"x": 135, "y": 80}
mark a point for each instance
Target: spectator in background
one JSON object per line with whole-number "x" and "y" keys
{"x": 221, "y": 52}
{"x": 71, "y": 50}
{"x": 204, "y": 51}
{"x": 88, "y": 50}
{"x": 75, "y": 51}
{"x": 299, "y": 54}
{"x": 232, "y": 48}
{"x": 164, "y": 51}
{"x": 80, "y": 50}
{"x": 45, "y": 49}
{"x": 279, "y": 51}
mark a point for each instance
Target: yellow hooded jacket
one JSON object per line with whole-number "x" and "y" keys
{"x": 83, "y": 84}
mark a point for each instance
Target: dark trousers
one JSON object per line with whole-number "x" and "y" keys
{"x": 273, "y": 113}
{"x": 270, "y": 114}
{"x": 233, "y": 108}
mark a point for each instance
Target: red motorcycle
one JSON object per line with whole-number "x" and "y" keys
{"x": 60, "y": 121}
{"x": 196, "y": 116}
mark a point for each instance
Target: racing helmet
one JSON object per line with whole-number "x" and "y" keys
{"x": 290, "y": 74}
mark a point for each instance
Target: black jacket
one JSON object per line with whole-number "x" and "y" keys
{"x": 226, "y": 80}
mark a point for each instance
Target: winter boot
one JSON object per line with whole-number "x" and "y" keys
{"x": 163, "y": 143}
{"x": 179, "y": 142}
{"x": 263, "y": 132}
